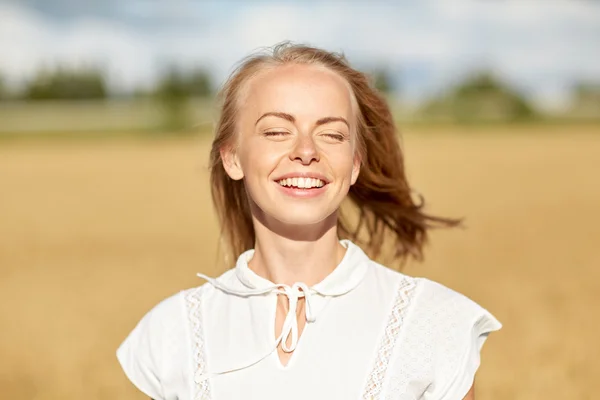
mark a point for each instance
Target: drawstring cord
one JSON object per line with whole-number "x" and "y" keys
{"x": 290, "y": 324}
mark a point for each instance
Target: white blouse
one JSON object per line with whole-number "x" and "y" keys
{"x": 371, "y": 333}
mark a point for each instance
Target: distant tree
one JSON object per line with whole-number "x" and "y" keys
{"x": 586, "y": 100}
{"x": 175, "y": 88}
{"x": 170, "y": 85}
{"x": 172, "y": 94}
{"x": 382, "y": 80}
{"x": 481, "y": 97}
{"x": 200, "y": 83}
{"x": 484, "y": 93}
{"x": 66, "y": 83}
{"x": 3, "y": 93}
{"x": 587, "y": 94}
{"x": 176, "y": 84}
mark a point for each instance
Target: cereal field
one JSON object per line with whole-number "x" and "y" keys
{"x": 94, "y": 233}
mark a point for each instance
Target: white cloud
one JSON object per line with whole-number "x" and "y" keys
{"x": 29, "y": 42}
{"x": 24, "y": 40}
{"x": 126, "y": 56}
{"x": 540, "y": 46}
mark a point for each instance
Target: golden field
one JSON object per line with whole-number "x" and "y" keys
{"x": 94, "y": 233}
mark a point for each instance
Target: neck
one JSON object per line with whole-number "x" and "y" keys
{"x": 308, "y": 255}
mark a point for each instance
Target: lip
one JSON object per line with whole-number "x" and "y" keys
{"x": 314, "y": 175}
{"x": 301, "y": 193}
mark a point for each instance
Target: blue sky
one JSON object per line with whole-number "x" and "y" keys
{"x": 541, "y": 47}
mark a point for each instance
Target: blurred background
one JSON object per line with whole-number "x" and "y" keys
{"x": 106, "y": 111}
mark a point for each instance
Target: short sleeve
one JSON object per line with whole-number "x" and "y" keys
{"x": 458, "y": 346}
{"x": 467, "y": 361}
{"x": 139, "y": 356}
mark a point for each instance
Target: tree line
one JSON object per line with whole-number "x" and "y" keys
{"x": 480, "y": 96}
{"x": 63, "y": 83}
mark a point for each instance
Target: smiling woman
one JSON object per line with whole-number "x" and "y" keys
{"x": 305, "y": 312}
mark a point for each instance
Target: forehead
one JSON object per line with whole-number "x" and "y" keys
{"x": 305, "y": 91}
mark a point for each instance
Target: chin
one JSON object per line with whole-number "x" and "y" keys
{"x": 300, "y": 216}
{"x": 301, "y": 220}
{"x": 297, "y": 212}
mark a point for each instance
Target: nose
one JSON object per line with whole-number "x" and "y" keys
{"x": 305, "y": 150}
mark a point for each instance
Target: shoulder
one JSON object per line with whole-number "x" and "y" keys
{"x": 157, "y": 352}
{"x": 390, "y": 278}
{"x": 153, "y": 352}
{"x": 431, "y": 304}
{"x": 444, "y": 306}
{"x": 162, "y": 319}
{"x": 170, "y": 321}
{"x": 451, "y": 329}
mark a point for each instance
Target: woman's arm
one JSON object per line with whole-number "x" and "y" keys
{"x": 471, "y": 394}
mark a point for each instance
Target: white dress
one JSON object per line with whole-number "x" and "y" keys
{"x": 371, "y": 333}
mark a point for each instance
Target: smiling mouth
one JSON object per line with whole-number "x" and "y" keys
{"x": 302, "y": 183}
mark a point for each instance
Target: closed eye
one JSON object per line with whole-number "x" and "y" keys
{"x": 275, "y": 133}
{"x": 336, "y": 136}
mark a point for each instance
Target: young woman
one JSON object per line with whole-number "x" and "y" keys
{"x": 306, "y": 313}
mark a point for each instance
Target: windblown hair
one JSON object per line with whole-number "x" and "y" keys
{"x": 381, "y": 195}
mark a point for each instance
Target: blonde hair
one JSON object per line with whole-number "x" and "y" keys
{"x": 381, "y": 195}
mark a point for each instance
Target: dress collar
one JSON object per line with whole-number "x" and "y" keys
{"x": 345, "y": 277}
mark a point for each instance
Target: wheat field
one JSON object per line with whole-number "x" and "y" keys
{"x": 94, "y": 233}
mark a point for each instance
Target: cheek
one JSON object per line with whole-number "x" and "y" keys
{"x": 342, "y": 162}
{"x": 258, "y": 157}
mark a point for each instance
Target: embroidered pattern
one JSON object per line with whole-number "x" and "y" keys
{"x": 193, "y": 302}
{"x": 386, "y": 347}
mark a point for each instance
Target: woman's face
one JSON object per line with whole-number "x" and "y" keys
{"x": 296, "y": 143}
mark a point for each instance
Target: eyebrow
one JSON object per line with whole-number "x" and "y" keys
{"x": 327, "y": 120}
{"x": 289, "y": 117}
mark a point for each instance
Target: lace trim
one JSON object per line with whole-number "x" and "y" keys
{"x": 386, "y": 347}
{"x": 201, "y": 387}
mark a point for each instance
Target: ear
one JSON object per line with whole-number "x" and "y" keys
{"x": 355, "y": 169}
{"x": 231, "y": 163}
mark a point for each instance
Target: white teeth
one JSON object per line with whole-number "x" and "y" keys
{"x": 302, "y": 183}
